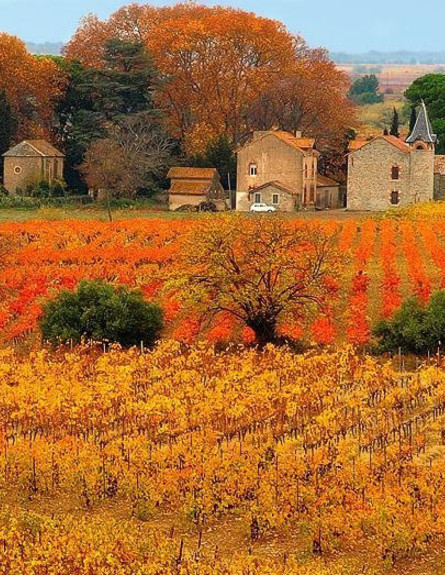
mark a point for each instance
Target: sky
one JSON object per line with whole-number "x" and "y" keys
{"x": 341, "y": 25}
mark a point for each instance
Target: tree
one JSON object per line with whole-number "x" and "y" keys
{"x": 97, "y": 100}
{"x": 222, "y": 64}
{"x": 395, "y": 124}
{"x": 220, "y": 154}
{"x": 264, "y": 272}
{"x": 431, "y": 89}
{"x": 8, "y": 126}
{"x": 32, "y": 86}
{"x": 136, "y": 153}
{"x": 365, "y": 90}
{"x": 101, "y": 312}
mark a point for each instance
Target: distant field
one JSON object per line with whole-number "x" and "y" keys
{"x": 393, "y": 78}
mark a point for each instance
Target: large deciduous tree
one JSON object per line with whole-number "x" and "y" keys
{"x": 132, "y": 157}
{"x": 264, "y": 272}
{"x": 223, "y": 65}
{"x": 32, "y": 86}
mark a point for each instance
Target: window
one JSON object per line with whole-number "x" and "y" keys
{"x": 17, "y": 170}
{"x": 305, "y": 171}
{"x": 253, "y": 170}
{"x": 395, "y": 172}
{"x": 258, "y": 198}
{"x": 275, "y": 199}
{"x": 394, "y": 197}
{"x": 312, "y": 194}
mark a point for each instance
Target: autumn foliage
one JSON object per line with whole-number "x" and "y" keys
{"x": 226, "y": 72}
{"x": 32, "y": 85}
{"x": 270, "y": 439}
{"x": 382, "y": 263}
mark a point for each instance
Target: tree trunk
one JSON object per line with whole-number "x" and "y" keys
{"x": 265, "y": 328}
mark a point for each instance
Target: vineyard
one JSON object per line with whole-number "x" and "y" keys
{"x": 348, "y": 457}
{"x": 386, "y": 261}
{"x": 164, "y": 461}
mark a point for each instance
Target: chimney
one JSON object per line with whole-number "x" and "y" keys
{"x": 298, "y": 134}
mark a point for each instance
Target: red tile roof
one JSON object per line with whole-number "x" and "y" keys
{"x": 192, "y": 173}
{"x": 293, "y": 141}
{"x": 358, "y": 144}
{"x": 198, "y": 188}
{"x": 275, "y": 184}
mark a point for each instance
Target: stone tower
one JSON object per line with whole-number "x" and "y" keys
{"x": 422, "y": 136}
{"x": 423, "y": 142}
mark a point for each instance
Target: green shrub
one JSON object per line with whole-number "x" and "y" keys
{"x": 414, "y": 328}
{"x": 99, "y": 311}
{"x": 44, "y": 190}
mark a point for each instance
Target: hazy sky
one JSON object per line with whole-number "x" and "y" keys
{"x": 350, "y": 25}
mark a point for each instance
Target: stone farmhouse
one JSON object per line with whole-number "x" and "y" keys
{"x": 193, "y": 186}
{"x": 279, "y": 169}
{"x": 388, "y": 171}
{"x": 29, "y": 162}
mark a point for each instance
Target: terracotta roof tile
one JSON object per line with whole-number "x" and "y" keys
{"x": 189, "y": 188}
{"x": 192, "y": 173}
{"x": 290, "y": 140}
{"x": 275, "y": 184}
{"x": 358, "y": 144}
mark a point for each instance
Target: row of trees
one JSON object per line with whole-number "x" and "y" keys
{"x": 201, "y": 78}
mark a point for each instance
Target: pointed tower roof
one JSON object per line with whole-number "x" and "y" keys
{"x": 423, "y": 130}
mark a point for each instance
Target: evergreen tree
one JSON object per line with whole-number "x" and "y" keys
{"x": 8, "y": 126}
{"x": 395, "y": 125}
{"x": 96, "y": 100}
{"x": 220, "y": 154}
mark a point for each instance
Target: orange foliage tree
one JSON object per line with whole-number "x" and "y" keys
{"x": 228, "y": 72}
{"x": 266, "y": 273}
{"x": 32, "y": 86}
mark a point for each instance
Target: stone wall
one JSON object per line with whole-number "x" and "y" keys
{"x": 370, "y": 181}
{"x": 439, "y": 187}
{"x": 275, "y": 161}
{"x": 31, "y": 170}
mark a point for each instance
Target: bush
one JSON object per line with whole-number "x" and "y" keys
{"x": 99, "y": 311}
{"x": 414, "y": 328}
{"x": 43, "y": 189}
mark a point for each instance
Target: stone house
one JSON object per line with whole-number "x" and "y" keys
{"x": 193, "y": 186}
{"x": 328, "y": 193}
{"x": 387, "y": 172}
{"x": 277, "y": 168}
{"x": 29, "y": 162}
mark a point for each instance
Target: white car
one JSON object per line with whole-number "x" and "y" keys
{"x": 262, "y": 208}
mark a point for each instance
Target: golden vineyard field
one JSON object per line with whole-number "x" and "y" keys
{"x": 201, "y": 458}
{"x": 167, "y": 461}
